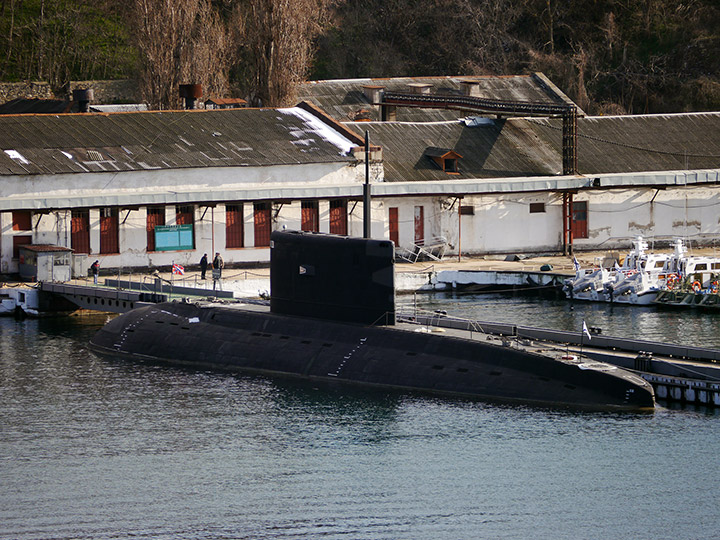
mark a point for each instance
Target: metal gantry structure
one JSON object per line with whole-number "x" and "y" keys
{"x": 500, "y": 107}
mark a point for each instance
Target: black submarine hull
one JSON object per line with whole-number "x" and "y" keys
{"x": 258, "y": 341}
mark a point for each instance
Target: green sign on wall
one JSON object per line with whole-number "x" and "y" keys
{"x": 174, "y": 237}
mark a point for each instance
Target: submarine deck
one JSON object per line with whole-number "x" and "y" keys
{"x": 473, "y": 332}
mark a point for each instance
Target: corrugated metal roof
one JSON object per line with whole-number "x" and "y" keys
{"x": 345, "y": 100}
{"x": 533, "y": 147}
{"x": 118, "y": 107}
{"x": 53, "y": 144}
{"x": 434, "y": 151}
{"x": 489, "y": 151}
{"x": 624, "y": 144}
{"x": 36, "y": 106}
{"x": 227, "y": 101}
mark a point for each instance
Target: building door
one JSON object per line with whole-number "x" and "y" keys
{"x": 263, "y": 226}
{"x": 80, "y": 231}
{"x": 20, "y": 241}
{"x": 579, "y": 219}
{"x": 338, "y": 217}
{"x": 109, "y": 230}
{"x": 184, "y": 215}
{"x": 234, "y": 226}
{"x": 155, "y": 217}
{"x": 21, "y": 221}
{"x": 419, "y": 225}
{"x": 393, "y": 224}
{"x": 310, "y": 216}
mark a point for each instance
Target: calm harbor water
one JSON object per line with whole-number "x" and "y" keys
{"x": 98, "y": 449}
{"x": 685, "y": 327}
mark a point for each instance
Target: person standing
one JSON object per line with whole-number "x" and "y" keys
{"x": 203, "y": 266}
{"x": 95, "y": 270}
{"x": 217, "y": 265}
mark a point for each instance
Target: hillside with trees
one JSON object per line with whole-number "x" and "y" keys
{"x": 612, "y": 56}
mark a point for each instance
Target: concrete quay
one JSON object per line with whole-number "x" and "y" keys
{"x": 468, "y": 272}
{"x": 409, "y": 277}
{"x": 120, "y": 292}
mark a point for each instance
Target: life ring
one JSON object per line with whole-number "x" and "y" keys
{"x": 671, "y": 281}
{"x": 696, "y": 286}
{"x": 714, "y": 287}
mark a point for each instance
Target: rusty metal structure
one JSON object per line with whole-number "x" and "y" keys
{"x": 568, "y": 113}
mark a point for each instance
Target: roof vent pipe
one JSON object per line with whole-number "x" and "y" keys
{"x": 471, "y": 87}
{"x": 190, "y": 93}
{"x": 373, "y": 93}
{"x": 83, "y": 96}
{"x": 420, "y": 88}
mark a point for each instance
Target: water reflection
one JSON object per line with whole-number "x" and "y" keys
{"x": 104, "y": 449}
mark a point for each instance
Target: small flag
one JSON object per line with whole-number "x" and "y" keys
{"x": 576, "y": 264}
{"x": 178, "y": 269}
{"x": 586, "y": 331}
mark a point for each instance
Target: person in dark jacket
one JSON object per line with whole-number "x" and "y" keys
{"x": 95, "y": 270}
{"x": 203, "y": 266}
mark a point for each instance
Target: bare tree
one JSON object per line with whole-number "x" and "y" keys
{"x": 487, "y": 30}
{"x": 210, "y": 54}
{"x": 279, "y": 46}
{"x": 180, "y": 42}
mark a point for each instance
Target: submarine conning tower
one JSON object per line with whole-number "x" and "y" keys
{"x": 331, "y": 277}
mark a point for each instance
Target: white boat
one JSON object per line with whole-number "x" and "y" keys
{"x": 7, "y": 303}
{"x": 19, "y": 301}
{"x": 643, "y": 275}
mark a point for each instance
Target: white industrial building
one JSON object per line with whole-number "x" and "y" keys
{"x": 148, "y": 189}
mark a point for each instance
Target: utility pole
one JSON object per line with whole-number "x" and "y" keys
{"x": 366, "y": 189}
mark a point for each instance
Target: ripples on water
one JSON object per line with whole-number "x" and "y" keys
{"x": 98, "y": 449}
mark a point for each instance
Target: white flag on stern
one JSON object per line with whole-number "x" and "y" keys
{"x": 586, "y": 331}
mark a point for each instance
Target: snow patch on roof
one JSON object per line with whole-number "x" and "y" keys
{"x": 14, "y": 154}
{"x": 476, "y": 121}
{"x": 318, "y": 127}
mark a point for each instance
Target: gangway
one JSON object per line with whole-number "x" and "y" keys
{"x": 101, "y": 298}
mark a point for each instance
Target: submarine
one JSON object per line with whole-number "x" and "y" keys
{"x": 332, "y": 318}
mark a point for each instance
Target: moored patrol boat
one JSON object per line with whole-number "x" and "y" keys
{"x": 644, "y": 276}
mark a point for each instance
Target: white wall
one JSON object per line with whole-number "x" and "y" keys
{"x": 502, "y": 223}
{"x": 617, "y": 215}
{"x": 51, "y": 186}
